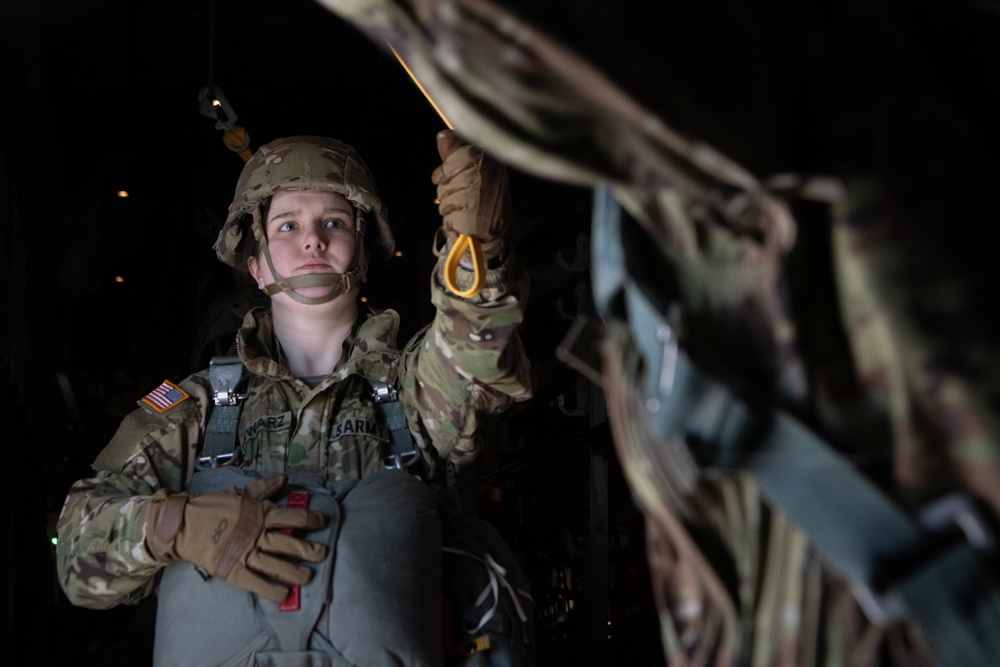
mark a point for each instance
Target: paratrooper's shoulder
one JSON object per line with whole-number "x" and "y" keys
{"x": 159, "y": 412}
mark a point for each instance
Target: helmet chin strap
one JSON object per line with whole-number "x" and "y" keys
{"x": 342, "y": 283}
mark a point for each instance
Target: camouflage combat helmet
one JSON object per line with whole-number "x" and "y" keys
{"x": 305, "y": 163}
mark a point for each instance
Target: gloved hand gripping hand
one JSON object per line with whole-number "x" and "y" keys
{"x": 236, "y": 536}
{"x": 473, "y": 193}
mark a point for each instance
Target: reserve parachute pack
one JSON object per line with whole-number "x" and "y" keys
{"x": 339, "y": 618}
{"x": 358, "y": 609}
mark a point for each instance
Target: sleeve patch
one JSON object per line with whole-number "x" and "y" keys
{"x": 166, "y": 396}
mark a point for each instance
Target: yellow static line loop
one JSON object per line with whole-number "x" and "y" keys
{"x": 478, "y": 266}
{"x": 451, "y": 264}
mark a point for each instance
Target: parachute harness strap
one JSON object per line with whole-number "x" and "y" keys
{"x": 225, "y": 373}
{"x": 402, "y": 450}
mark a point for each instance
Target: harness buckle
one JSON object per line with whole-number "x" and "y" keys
{"x": 954, "y": 515}
{"x": 383, "y": 392}
{"x": 215, "y": 461}
{"x": 227, "y": 398}
{"x": 225, "y": 374}
{"x": 401, "y": 461}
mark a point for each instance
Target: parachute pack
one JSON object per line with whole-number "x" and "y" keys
{"x": 358, "y": 609}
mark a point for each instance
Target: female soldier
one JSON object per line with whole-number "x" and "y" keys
{"x": 197, "y": 477}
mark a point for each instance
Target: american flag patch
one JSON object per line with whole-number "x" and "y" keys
{"x": 164, "y": 397}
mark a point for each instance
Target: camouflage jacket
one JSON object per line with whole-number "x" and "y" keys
{"x": 464, "y": 367}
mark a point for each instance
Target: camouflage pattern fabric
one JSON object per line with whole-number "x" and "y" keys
{"x": 864, "y": 320}
{"x": 465, "y": 367}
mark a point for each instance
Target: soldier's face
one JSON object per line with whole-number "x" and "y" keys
{"x": 307, "y": 232}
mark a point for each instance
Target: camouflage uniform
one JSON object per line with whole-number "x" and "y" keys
{"x": 467, "y": 365}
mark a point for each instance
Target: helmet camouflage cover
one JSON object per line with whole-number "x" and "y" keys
{"x": 303, "y": 163}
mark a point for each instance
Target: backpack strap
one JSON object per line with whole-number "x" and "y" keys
{"x": 899, "y": 567}
{"x": 225, "y": 374}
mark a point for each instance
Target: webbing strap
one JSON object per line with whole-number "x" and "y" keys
{"x": 219, "y": 446}
{"x": 401, "y": 451}
{"x": 896, "y": 565}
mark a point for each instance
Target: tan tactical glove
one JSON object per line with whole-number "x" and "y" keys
{"x": 236, "y": 536}
{"x": 473, "y": 193}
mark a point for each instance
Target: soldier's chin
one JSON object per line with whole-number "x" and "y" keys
{"x": 317, "y": 292}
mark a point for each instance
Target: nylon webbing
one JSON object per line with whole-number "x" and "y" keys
{"x": 401, "y": 450}
{"x": 219, "y": 447}
{"x": 895, "y": 564}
